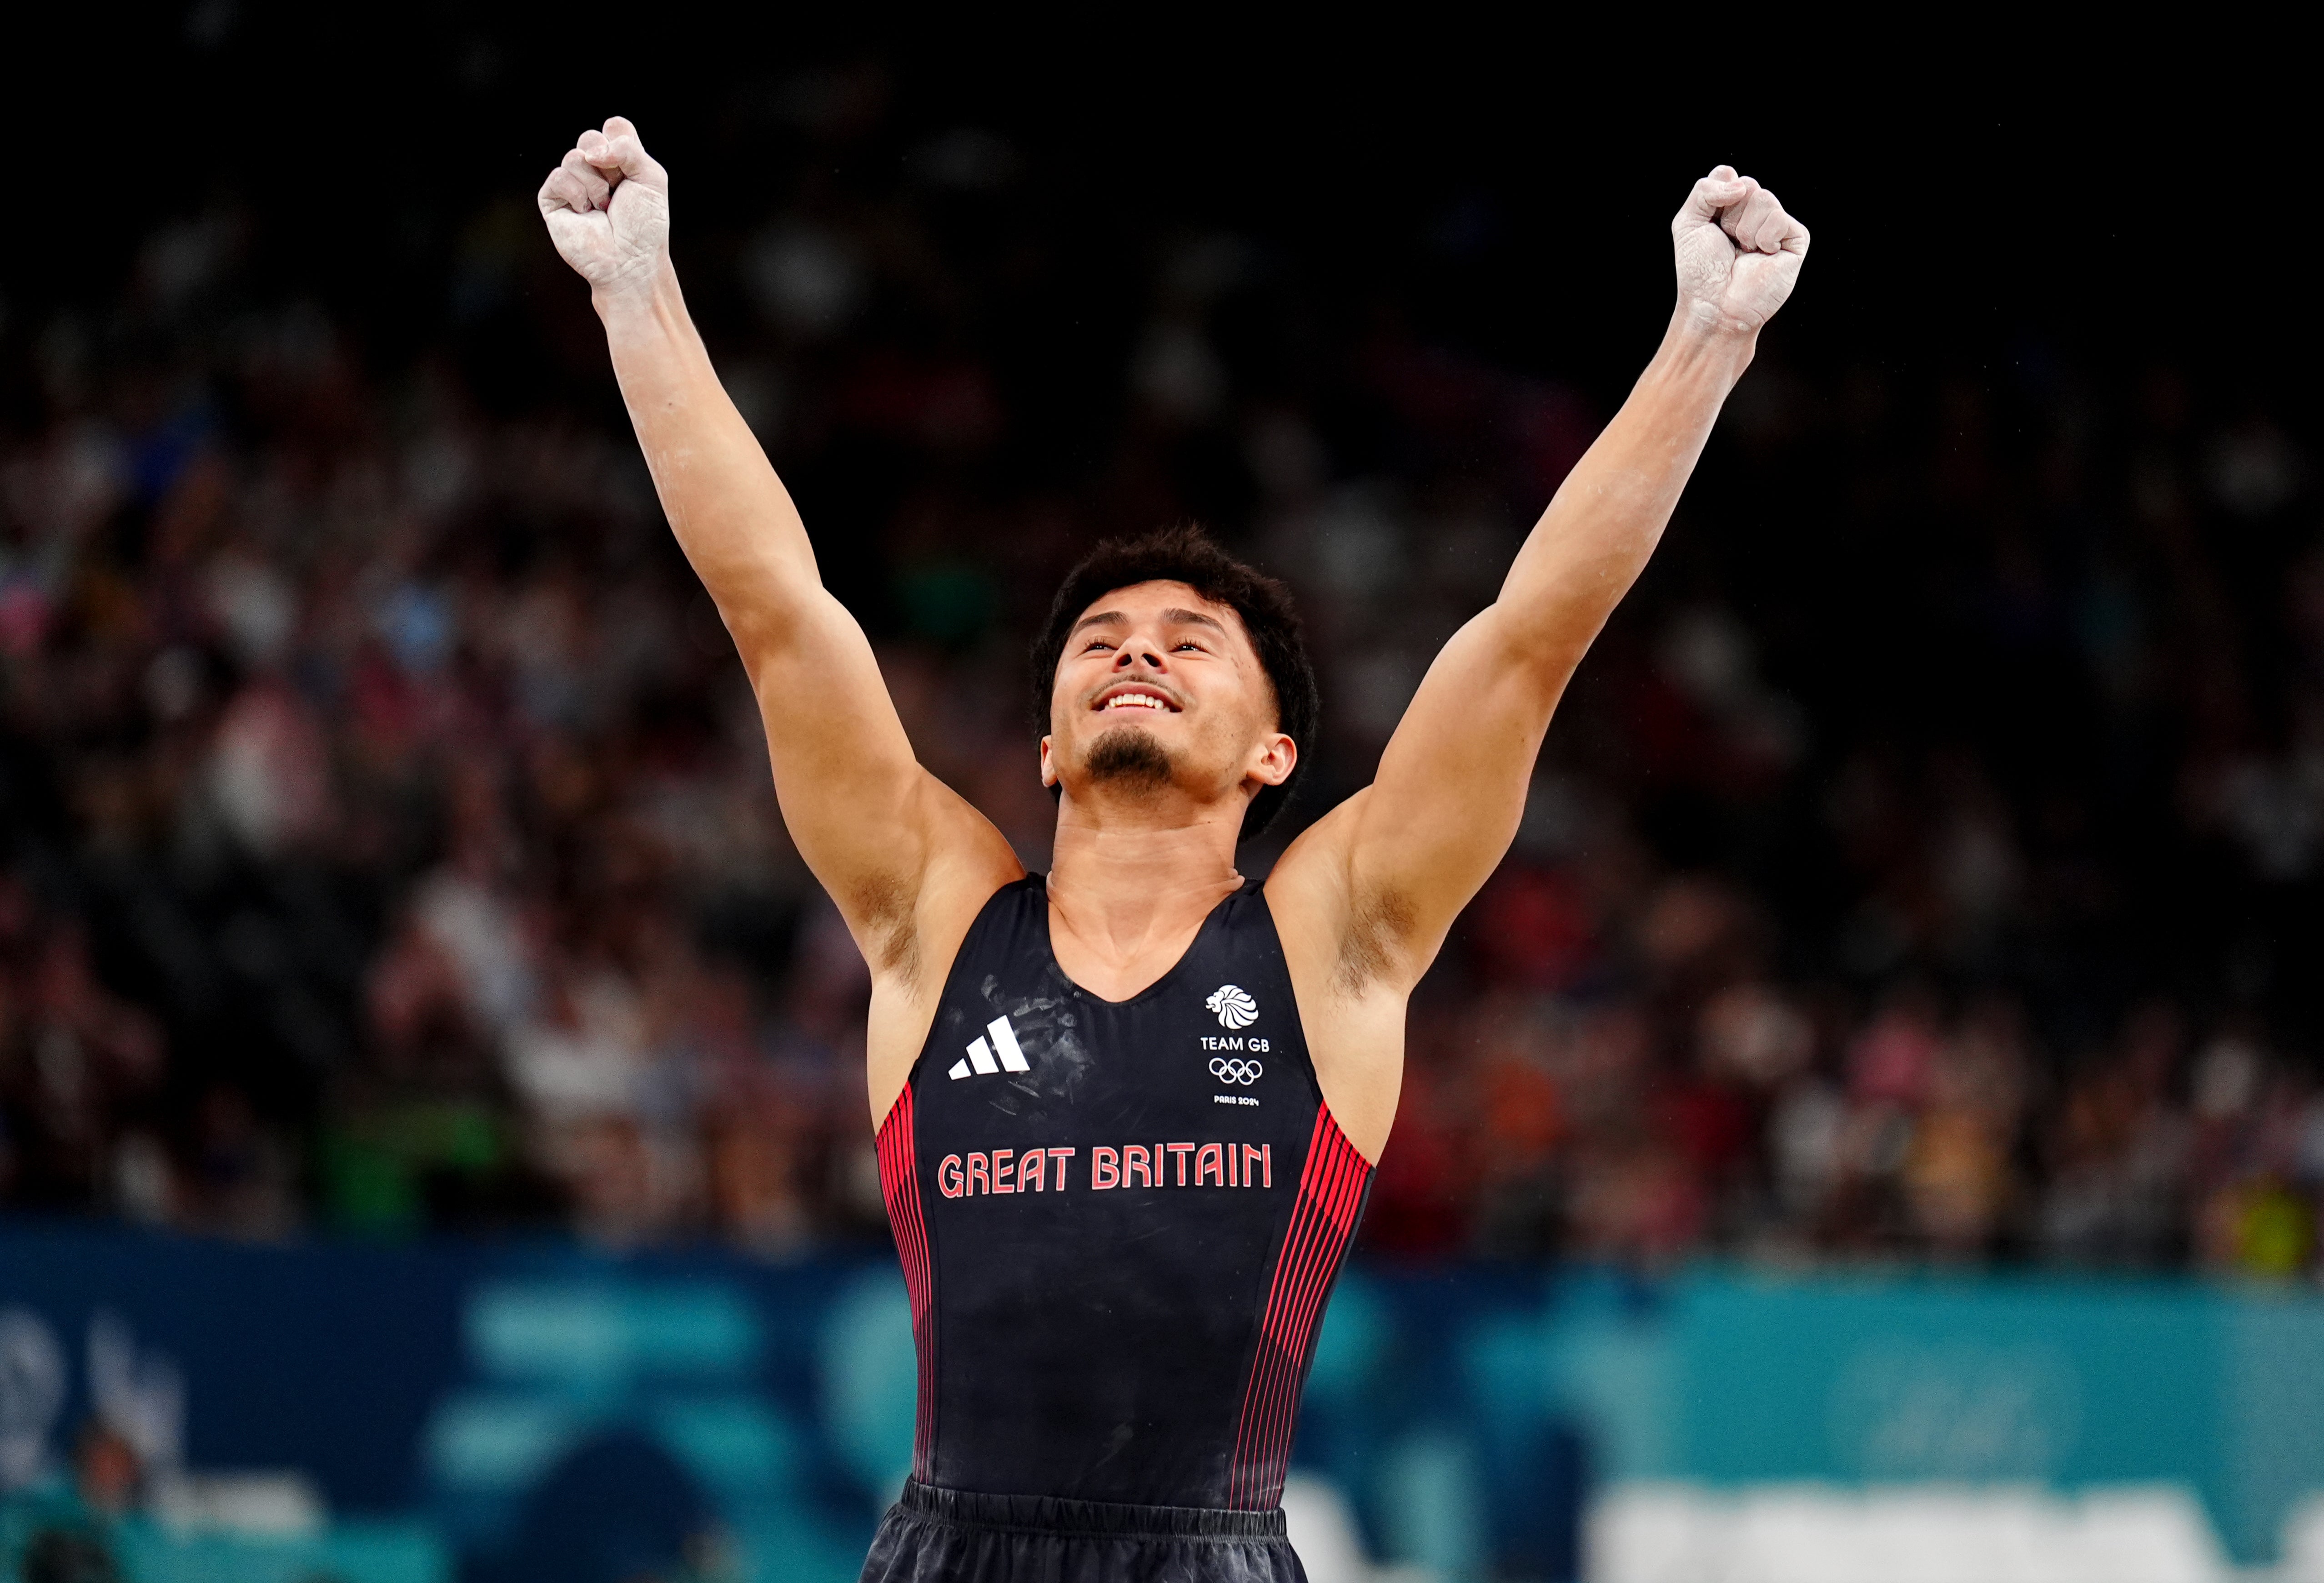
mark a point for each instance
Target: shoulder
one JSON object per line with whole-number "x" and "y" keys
{"x": 956, "y": 894}
{"x": 1350, "y": 984}
{"x": 910, "y": 909}
{"x": 1347, "y": 938}
{"x": 908, "y": 987}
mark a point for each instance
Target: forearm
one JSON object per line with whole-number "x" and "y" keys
{"x": 1412, "y": 850}
{"x": 732, "y": 514}
{"x": 868, "y": 820}
{"x": 1609, "y": 516}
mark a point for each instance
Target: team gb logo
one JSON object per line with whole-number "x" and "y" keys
{"x": 1235, "y": 1008}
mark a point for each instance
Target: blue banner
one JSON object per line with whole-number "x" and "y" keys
{"x": 519, "y": 1410}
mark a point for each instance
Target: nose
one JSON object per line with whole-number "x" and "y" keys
{"x": 1135, "y": 650}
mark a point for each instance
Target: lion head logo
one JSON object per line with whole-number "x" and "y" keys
{"x": 1235, "y": 1008}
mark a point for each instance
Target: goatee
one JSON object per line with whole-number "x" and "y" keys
{"x": 1130, "y": 757}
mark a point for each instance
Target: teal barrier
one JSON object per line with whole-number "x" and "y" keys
{"x": 407, "y": 1551}
{"x": 480, "y": 1406}
{"x": 1727, "y": 1377}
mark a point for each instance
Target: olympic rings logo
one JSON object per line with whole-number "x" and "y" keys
{"x": 1228, "y": 1070}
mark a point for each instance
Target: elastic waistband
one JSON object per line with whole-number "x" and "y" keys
{"x": 968, "y": 1508}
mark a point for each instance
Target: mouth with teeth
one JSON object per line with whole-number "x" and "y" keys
{"x": 1136, "y": 697}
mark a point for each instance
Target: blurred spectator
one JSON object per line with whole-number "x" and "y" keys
{"x": 1927, "y": 868}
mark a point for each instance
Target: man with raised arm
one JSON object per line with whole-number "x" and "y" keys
{"x": 1127, "y": 1111}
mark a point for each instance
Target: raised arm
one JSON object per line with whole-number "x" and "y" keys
{"x": 1398, "y": 861}
{"x": 878, "y": 831}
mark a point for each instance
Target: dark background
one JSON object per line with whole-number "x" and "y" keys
{"x": 1957, "y": 897}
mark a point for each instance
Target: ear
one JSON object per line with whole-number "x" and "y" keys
{"x": 1273, "y": 760}
{"x": 1048, "y": 766}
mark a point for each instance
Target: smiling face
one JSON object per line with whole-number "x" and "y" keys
{"x": 1160, "y": 689}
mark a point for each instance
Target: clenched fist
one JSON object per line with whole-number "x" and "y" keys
{"x": 1738, "y": 251}
{"x": 607, "y": 205}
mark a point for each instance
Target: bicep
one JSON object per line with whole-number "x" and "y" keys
{"x": 1452, "y": 785}
{"x": 1372, "y": 889}
{"x": 870, "y": 821}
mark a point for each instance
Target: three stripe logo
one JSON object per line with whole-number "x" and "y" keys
{"x": 980, "y": 1058}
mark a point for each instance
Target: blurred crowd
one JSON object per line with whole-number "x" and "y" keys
{"x": 1923, "y": 867}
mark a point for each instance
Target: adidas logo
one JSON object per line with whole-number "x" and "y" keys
{"x": 980, "y": 1059}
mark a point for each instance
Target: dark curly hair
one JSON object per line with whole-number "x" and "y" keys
{"x": 1188, "y": 555}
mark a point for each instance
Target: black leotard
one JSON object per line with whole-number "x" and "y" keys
{"x": 1118, "y": 1222}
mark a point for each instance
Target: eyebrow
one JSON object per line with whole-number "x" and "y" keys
{"x": 1171, "y": 617}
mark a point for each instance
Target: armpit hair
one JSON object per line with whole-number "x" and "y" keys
{"x": 892, "y": 940}
{"x": 1379, "y": 922}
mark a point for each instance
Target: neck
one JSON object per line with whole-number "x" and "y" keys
{"x": 1126, "y": 878}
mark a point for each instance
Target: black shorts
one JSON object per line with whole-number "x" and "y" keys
{"x": 959, "y": 1536}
